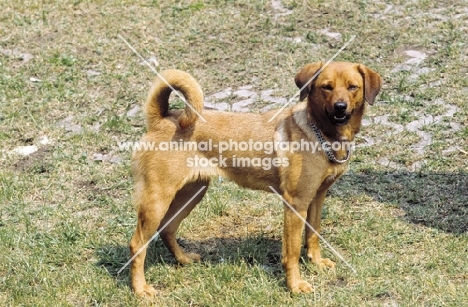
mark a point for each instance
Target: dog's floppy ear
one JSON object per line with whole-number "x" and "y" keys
{"x": 372, "y": 83}
{"x": 304, "y": 76}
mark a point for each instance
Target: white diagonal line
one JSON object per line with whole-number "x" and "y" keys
{"x": 155, "y": 236}
{"x": 164, "y": 80}
{"x": 313, "y": 77}
{"x": 315, "y": 231}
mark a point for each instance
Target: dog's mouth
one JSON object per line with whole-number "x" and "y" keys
{"x": 339, "y": 119}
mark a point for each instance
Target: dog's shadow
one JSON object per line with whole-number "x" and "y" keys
{"x": 436, "y": 200}
{"x": 255, "y": 250}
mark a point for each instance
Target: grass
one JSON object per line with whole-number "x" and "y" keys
{"x": 66, "y": 217}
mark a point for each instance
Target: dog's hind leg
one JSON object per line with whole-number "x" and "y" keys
{"x": 168, "y": 234}
{"x": 152, "y": 207}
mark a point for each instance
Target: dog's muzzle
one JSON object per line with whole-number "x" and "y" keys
{"x": 339, "y": 116}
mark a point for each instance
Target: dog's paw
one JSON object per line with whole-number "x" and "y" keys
{"x": 302, "y": 286}
{"x": 189, "y": 258}
{"x": 194, "y": 257}
{"x": 147, "y": 292}
{"x": 325, "y": 263}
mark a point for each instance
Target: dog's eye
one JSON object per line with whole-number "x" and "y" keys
{"x": 327, "y": 87}
{"x": 352, "y": 87}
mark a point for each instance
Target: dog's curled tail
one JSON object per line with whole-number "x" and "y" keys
{"x": 157, "y": 103}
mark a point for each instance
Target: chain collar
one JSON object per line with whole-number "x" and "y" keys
{"x": 326, "y": 146}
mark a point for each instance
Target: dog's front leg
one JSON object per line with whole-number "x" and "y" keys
{"x": 314, "y": 215}
{"x": 292, "y": 237}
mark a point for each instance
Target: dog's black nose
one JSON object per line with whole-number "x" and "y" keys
{"x": 340, "y": 107}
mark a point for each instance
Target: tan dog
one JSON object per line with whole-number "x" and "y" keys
{"x": 166, "y": 180}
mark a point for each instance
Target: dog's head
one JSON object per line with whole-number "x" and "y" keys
{"x": 337, "y": 90}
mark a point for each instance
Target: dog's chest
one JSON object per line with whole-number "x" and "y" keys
{"x": 334, "y": 172}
